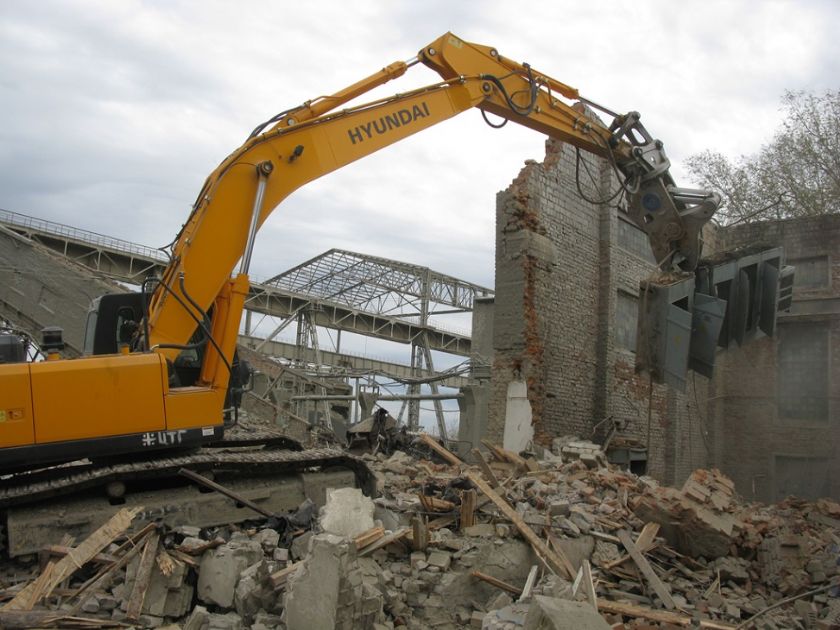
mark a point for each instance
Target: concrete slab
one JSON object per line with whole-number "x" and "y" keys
{"x": 549, "y": 613}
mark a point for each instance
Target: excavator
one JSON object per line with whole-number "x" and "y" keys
{"x": 161, "y": 374}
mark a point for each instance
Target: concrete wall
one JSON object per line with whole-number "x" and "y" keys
{"x": 567, "y": 277}
{"x": 779, "y": 406}
{"x": 39, "y": 288}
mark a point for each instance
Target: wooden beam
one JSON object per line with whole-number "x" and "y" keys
{"x": 142, "y": 577}
{"x": 485, "y": 468}
{"x": 554, "y": 543}
{"x": 529, "y": 583}
{"x": 368, "y": 537}
{"x": 662, "y": 616}
{"x": 588, "y": 584}
{"x": 445, "y": 453}
{"x": 222, "y": 490}
{"x": 97, "y": 580}
{"x": 645, "y": 542}
{"x": 279, "y": 578}
{"x": 385, "y": 540}
{"x": 433, "y": 504}
{"x": 555, "y": 561}
{"x": 59, "y": 551}
{"x": 78, "y": 557}
{"x": 496, "y": 582}
{"x": 419, "y": 534}
{"x": 647, "y": 570}
{"x": 468, "y": 503}
{"x": 506, "y": 456}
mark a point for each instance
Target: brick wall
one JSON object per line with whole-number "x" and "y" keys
{"x": 769, "y": 451}
{"x": 561, "y": 262}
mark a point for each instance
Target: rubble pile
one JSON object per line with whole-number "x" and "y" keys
{"x": 562, "y": 540}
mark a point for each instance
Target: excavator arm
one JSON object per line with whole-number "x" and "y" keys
{"x": 309, "y": 141}
{"x": 171, "y": 392}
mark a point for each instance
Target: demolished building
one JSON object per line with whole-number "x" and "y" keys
{"x": 564, "y": 329}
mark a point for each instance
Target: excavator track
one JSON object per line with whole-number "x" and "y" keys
{"x": 273, "y": 468}
{"x": 64, "y": 480}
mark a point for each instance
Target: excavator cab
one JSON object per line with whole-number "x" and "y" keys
{"x": 113, "y": 321}
{"x": 115, "y": 324}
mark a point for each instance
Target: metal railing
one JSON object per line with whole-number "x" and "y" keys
{"x": 85, "y": 237}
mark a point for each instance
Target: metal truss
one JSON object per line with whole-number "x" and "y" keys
{"x": 378, "y": 285}
{"x": 340, "y": 289}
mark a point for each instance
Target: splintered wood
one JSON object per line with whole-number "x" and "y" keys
{"x": 647, "y": 570}
{"x": 555, "y": 560}
{"x": 446, "y": 454}
{"x": 75, "y": 559}
{"x": 141, "y": 580}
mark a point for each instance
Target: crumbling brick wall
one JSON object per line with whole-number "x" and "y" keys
{"x": 561, "y": 262}
{"x": 766, "y": 453}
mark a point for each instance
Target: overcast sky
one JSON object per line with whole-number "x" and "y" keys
{"x": 115, "y": 112}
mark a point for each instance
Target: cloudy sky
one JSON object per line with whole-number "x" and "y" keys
{"x": 114, "y": 112}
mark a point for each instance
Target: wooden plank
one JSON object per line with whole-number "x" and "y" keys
{"x": 141, "y": 579}
{"x": 496, "y": 582}
{"x": 79, "y": 556}
{"x": 419, "y": 534}
{"x": 433, "y": 504}
{"x": 468, "y": 503}
{"x": 647, "y": 570}
{"x": 555, "y": 544}
{"x": 385, "y": 540}
{"x": 488, "y": 473}
{"x": 445, "y": 453}
{"x": 495, "y": 450}
{"x": 40, "y": 585}
{"x": 529, "y": 583}
{"x": 662, "y": 616}
{"x": 97, "y": 580}
{"x": 605, "y": 537}
{"x": 279, "y": 578}
{"x": 645, "y": 542}
{"x": 648, "y": 534}
{"x": 368, "y": 537}
{"x": 507, "y": 456}
{"x": 222, "y": 490}
{"x": 188, "y": 560}
{"x": 131, "y": 541}
{"x": 59, "y": 551}
{"x": 588, "y": 584}
{"x": 197, "y": 551}
{"x": 556, "y": 561}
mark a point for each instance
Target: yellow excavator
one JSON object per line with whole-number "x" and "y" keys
{"x": 161, "y": 371}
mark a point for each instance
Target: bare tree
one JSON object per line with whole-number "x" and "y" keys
{"x": 796, "y": 174}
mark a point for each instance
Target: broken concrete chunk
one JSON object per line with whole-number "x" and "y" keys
{"x": 300, "y": 546}
{"x": 512, "y": 616}
{"x": 327, "y": 592}
{"x": 199, "y": 619}
{"x": 440, "y": 559}
{"x": 268, "y": 538}
{"x": 416, "y": 558}
{"x": 482, "y": 530}
{"x": 229, "y": 621}
{"x": 220, "y": 569}
{"x": 559, "y": 508}
{"x": 188, "y": 531}
{"x": 548, "y": 613}
{"x": 347, "y": 513}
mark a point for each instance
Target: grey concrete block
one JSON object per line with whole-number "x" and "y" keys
{"x": 549, "y": 613}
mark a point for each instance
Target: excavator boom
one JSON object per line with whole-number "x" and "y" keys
{"x": 177, "y": 372}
